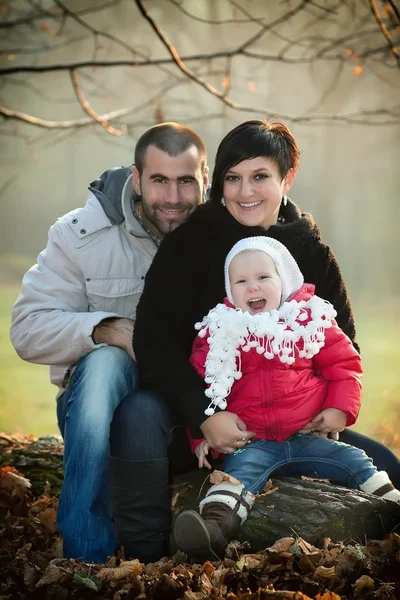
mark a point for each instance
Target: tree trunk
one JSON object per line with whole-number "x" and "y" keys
{"x": 312, "y": 510}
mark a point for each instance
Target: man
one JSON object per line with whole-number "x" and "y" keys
{"x": 77, "y": 308}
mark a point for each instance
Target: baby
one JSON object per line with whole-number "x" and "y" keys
{"x": 274, "y": 355}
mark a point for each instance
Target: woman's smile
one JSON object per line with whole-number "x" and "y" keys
{"x": 253, "y": 191}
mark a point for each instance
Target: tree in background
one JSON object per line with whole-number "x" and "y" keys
{"x": 47, "y": 42}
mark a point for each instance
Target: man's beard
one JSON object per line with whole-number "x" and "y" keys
{"x": 165, "y": 225}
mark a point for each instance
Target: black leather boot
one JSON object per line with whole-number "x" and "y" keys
{"x": 141, "y": 506}
{"x": 206, "y": 536}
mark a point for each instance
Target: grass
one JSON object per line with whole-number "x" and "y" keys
{"x": 27, "y": 402}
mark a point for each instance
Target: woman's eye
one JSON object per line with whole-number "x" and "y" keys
{"x": 261, "y": 176}
{"x": 240, "y": 281}
{"x": 231, "y": 178}
{"x": 263, "y": 277}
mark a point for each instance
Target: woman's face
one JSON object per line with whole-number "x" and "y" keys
{"x": 253, "y": 191}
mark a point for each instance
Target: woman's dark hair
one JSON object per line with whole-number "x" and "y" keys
{"x": 250, "y": 140}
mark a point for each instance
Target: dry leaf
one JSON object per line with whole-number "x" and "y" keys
{"x": 305, "y": 478}
{"x": 52, "y": 574}
{"x": 253, "y": 561}
{"x": 324, "y": 573}
{"x": 189, "y": 595}
{"x": 363, "y": 584}
{"x": 219, "y": 476}
{"x": 13, "y": 481}
{"x": 306, "y": 547}
{"x": 174, "y": 499}
{"x": 48, "y": 519}
{"x": 128, "y": 568}
{"x": 281, "y": 545}
{"x": 208, "y": 569}
{"x": 206, "y": 586}
{"x": 267, "y": 486}
{"x": 269, "y": 492}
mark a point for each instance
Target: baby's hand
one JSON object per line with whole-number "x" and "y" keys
{"x": 329, "y": 421}
{"x": 202, "y": 450}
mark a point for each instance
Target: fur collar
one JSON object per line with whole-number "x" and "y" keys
{"x": 293, "y": 222}
{"x": 296, "y": 329}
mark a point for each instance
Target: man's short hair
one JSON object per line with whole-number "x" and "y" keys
{"x": 171, "y": 138}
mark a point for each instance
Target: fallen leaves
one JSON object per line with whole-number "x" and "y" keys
{"x": 31, "y": 566}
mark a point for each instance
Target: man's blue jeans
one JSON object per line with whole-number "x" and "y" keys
{"x": 299, "y": 455}
{"x": 99, "y": 383}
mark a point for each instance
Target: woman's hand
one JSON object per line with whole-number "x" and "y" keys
{"x": 328, "y": 421}
{"x": 226, "y": 432}
{"x": 202, "y": 450}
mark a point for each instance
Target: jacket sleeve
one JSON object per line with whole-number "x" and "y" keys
{"x": 164, "y": 328}
{"x": 50, "y": 320}
{"x": 199, "y": 354}
{"x": 330, "y": 285}
{"x": 193, "y": 442}
{"x": 340, "y": 364}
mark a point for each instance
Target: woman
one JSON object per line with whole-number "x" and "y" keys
{"x": 255, "y": 166}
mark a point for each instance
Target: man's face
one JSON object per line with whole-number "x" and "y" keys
{"x": 171, "y": 187}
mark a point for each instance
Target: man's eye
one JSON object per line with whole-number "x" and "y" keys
{"x": 186, "y": 181}
{"x": 159, "y": 180}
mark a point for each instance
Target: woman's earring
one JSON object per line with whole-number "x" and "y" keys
{"x": 222, "y": 202}
{"x": 284, "y": 200}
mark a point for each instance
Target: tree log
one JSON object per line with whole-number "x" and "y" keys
{"x": 312, "y": 510}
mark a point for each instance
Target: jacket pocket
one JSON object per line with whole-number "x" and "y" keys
{"x": 118, "y": 295}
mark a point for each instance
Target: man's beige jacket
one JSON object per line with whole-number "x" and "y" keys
{"x": 92, "y": 268}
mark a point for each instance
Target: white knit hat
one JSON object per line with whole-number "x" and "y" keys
{"x": 288, "y": 270}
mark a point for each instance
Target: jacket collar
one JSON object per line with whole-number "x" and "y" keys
{"x": 294, "y": 221}
{"x": 115, "y": 194}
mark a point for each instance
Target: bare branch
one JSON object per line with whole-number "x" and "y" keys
{"x": 116, "y": 114}
{"x": 358, "y": 43}
{"x": 210, "y": 21}
{"x": 87, "y": 108}
{"x": 357, "y": 118}
{"x": 31, "y": 120}
{"x": 94, "y": 31}
{"x": 46, "y": 13}
{"x": 269, "y": 26}
{"x": 384, "y": 29}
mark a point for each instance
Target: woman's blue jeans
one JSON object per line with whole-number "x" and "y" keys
{"x": 299, "y": 455}
{"x": 99, "y": 383}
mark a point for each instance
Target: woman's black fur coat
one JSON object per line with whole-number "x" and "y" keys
{"x": 186, "y": 280}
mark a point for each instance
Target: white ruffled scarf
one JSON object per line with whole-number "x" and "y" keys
{"x": 274, "y": 333}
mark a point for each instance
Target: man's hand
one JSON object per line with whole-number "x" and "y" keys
{"x": 202, "y": 450}
{"x": 115, "y": 331}
{"x": 226, "y": 432}
{"x": 328, "y": 421}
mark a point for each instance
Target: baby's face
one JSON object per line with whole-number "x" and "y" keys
{"x": 255, "y": 284}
